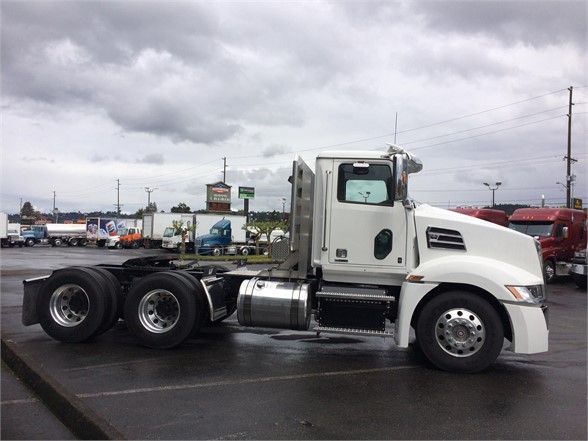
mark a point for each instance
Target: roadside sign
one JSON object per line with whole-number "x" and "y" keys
{"x": 577, "y": 203}
{"x": 246, "y": 192}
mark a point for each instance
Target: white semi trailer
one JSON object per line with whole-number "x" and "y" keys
{"x": 377, "y": 266}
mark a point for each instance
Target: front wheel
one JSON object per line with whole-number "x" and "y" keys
{"x": 30, "y": 242}
{"x": 549, "y": 271}
{"x": 57, "y": 242}
{"x": 460, "y": 332}
{"x": 216, "y": 252}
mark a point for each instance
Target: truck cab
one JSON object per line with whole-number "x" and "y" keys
{"x": 215, "y": 242}
{"x": 560, "y": 231}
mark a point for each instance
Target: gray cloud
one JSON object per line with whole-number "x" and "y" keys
{"x": 155, "y": 158}
{"x": 537, "y": 23}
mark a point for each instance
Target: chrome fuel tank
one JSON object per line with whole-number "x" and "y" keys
{"x": 274, "y": 304}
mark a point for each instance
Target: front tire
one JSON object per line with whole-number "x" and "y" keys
{"x": 460, "y": 332}
{"x": 161, "y": 310}
{"x": 57, "y": 242}
{"x": 30, "y": 242}
{"x": 549, "y": 271}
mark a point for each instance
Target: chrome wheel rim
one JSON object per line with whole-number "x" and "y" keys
{"x": 460, "y": 332}
{"x": 159, "y": 311}
{"x": 69, "y": 305}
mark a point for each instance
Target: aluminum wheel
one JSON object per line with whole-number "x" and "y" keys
{"x": 159, "y": 311}
{"x": 460, "y": 332}
{"x": 69, "y": 305}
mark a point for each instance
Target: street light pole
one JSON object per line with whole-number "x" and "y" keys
{"x": 283, "y": 209}
{"x": 497, "y": 184}
{"x": 149, "y": 191}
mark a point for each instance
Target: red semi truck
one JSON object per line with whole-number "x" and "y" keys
{"x": 498, "y": 217}
{"x": 561, "y": 232}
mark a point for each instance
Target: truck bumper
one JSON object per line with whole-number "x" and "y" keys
{"x": 578, "y": 269}
{"x": 530, "y": 327}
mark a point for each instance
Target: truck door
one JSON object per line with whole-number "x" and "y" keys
{"x": 367, "y": 226}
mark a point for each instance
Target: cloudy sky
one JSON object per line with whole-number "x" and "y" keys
{"x": 107, "y": 99}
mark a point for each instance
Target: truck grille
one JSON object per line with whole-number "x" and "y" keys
{"x": 445, "y": 239}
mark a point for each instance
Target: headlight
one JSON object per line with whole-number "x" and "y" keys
{"x": 529, "y": 294}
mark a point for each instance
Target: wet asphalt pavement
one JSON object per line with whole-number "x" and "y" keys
{"x": 232, "y": 382}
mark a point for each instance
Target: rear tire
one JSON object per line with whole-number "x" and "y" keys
{"x": 72, "y": 304}
{"x": 73, "y": 242}
{"x": 162, "y": 309}
{"x": 460, "y": 332}
{"x": 115, "y": 299}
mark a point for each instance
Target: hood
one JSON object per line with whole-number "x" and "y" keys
{"x": 207, "y": 238}
{"x": 445, "y": 233}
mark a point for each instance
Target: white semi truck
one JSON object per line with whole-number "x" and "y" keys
{"x": 379, "y": 266}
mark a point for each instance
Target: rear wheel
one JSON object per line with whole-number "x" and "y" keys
{"x": 114, "y": 297}
{"x": 73, "y": 242}
{"x": 460, "y": 332}
{"x": 162, "y": 309}
{"x": 72, "y": 304}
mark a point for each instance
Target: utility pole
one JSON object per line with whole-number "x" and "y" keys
{"x": 54, "y": 209}
{"x": 149, "y": 191}
{"x": 118, "y": 205}
{"x": 569, "y": 156}
{"x": 225, "y": 169}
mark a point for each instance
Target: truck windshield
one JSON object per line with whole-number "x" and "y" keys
{"x": 170, "y": 232}
{"x": 122, "y": 231}
{"x": 541, "y": 229}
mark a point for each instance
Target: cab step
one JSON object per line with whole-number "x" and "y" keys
{"x": 333, "y": 330}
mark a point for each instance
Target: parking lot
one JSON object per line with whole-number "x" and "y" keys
{"x": 232, "y": 382}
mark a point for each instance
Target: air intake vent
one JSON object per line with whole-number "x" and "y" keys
{"x": 445, "y": 239}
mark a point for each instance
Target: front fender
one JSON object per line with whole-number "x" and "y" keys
{"x": 488, "y": 274}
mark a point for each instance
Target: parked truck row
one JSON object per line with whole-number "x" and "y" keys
{"x": 10, "y": 235}
{"x": 381, "y": 267}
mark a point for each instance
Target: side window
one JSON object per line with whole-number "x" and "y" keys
{"x": 364, "y": 183}
{"x": 559, "y": 232}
